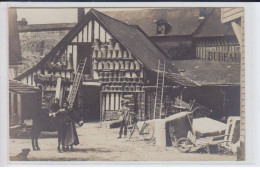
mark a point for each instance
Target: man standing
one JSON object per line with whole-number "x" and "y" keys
{"x": 61, "y": 115}
{"x": 124, "y": 118}
{"x": 53, "y": 109}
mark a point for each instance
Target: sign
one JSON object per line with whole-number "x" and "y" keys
{"x": 224, "y": 56}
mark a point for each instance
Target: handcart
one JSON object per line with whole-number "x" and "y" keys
{"x": 181, "y": 123}
{"x": 193, "y": 142}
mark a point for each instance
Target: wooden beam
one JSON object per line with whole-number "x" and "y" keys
{"x": 11, "y": 108}
{"x": 58, "y": 88}
{"x": 146, "y": 87}
{"x": 19, "y": 108}
{"x": 237, "y": 30}
{"x": 92, "y": 30}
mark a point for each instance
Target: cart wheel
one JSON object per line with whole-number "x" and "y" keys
{"x": 182, "y": 145}
{"x": 147, "y": 132}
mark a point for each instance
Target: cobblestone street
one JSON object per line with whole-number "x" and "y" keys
{"x": 100, "y": 144}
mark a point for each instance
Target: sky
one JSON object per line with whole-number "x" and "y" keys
{"x": 54, "y": 15}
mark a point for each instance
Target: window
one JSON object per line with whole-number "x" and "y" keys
{"x": 237, "y": 48}
{"x": 113, "y": 101}
{"x": 161, "y": 29}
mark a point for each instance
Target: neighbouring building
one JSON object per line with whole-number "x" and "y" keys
{"x": 24, "y": 100}
{"x": 219, "y": 85}
{"x": 170, "y": 28}
{"x": 15, "y": 56}
{"x": 184, "y": 33}
{"x": 37, "y": 40}
{"x": 216, "y": 41}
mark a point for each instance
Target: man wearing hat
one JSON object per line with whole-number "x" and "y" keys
{"x": 124, "y": 113}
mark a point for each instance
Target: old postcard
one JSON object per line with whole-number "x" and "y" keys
{"x": 126, "y": 84}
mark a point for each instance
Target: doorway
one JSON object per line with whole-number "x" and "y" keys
{"x": 91, "y": 103}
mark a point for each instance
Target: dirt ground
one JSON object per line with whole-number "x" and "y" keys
{"x": 100, "y": 144}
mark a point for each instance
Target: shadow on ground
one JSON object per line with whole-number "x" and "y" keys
{"x": 92, "y": 150}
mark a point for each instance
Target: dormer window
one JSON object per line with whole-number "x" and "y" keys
{"x": 162, "y": 27}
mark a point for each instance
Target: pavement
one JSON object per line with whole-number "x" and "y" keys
{"x": 101, "y": 144}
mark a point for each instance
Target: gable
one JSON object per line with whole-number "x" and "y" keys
{"x": 91, "y": 31}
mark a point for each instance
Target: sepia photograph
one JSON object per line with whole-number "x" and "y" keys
{"x": 126, "y": 84}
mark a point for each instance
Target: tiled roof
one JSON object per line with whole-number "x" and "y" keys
{"x": 21, "y": 88}
{"x": 45, "y": 27}
{"x": 183, "y": 21}
{"x": 181, "y": 79}
{"x": 213, "y": 26}
{"x": 206, "y": 72}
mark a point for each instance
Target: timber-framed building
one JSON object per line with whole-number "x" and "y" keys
{"x": 122, "y": 62}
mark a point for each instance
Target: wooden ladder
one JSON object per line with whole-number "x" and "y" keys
{"x": 76, "y": 82}
{"x": 159, "y": 91}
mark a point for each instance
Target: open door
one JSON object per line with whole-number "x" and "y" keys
{"x": 91, "y": 103}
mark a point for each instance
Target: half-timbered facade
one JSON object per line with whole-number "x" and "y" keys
{"x": 121, "y": 63}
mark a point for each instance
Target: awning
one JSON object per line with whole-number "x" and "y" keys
{"x": 21, "y": 88}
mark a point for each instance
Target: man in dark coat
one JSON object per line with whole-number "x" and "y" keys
{"x": 53, "y": 109}
{"x": 61, "y": 116}
{"x": 124, "y": 113}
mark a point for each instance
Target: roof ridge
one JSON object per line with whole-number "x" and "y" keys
{"x": 49, "y": 24}
{"x": 110, "y": 17}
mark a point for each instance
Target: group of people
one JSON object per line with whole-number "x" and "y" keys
{"x": 65, "y": 119}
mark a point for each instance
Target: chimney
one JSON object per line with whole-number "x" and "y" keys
{"x": 81, "y": 13}
{"x": 23, "y": 21}
{"x": 203, "y": 13}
